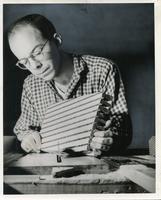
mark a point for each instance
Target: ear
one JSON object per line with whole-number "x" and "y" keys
{"x": 58, "y": 38}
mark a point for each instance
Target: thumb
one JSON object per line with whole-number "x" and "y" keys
{"x": 108, "y": 123}
{"x": 37, "y": 139}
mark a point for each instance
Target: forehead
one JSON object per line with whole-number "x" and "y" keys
{"x": 23, "y": 39}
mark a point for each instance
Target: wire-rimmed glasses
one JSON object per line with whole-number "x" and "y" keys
{"x": 35, "y": 54}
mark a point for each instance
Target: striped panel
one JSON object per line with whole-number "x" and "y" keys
{"x": 68, "y": 124}
{"x": 70, "y": 144}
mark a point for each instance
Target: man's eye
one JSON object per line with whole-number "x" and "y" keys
{"x": 37, "y": 52}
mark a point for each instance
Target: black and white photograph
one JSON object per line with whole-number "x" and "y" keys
{"x": 79, "y": 112}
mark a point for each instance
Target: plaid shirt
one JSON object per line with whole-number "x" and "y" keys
{"x": 91, "y": 74}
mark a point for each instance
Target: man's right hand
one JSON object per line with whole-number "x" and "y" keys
{"x": 31, "y": 142}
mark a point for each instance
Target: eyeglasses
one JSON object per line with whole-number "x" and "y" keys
{"x": 36, "y": 53}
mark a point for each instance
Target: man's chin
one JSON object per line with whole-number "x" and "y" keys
{"x": 48, "y": 77}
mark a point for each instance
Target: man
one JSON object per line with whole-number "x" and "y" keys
{"x": 57, "y": 75}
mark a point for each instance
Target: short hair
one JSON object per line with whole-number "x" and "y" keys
{"x": 40, "y": 22}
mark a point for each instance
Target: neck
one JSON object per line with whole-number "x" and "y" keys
{"x": 66, "y": 69}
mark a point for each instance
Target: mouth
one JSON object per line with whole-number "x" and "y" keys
{"x": 44, "y": 71}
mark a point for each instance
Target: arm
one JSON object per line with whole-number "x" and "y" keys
{"x": 113, "y": 132}
{"x": 27, "y": 126}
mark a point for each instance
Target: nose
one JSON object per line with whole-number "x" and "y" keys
{"x": 35, "y": 64}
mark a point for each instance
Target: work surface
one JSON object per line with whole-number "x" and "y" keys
{"x": 42, "y": 174}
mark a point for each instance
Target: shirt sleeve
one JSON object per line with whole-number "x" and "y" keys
{"x": 28, "y": 120}
{"x": 120, "y": 127}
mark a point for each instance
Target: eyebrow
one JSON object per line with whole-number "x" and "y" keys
{"x": 35, "y": 48}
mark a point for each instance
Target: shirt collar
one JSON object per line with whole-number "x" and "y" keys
{"x": 78, "y": 64}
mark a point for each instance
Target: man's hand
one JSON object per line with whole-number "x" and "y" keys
{"x": 31, "y": 142}
{"x": 102, "y": 140}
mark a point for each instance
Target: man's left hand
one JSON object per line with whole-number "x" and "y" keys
{"x": 102, "y": 140}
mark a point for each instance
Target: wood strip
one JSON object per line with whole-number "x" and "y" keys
{"x": 62, "y": 140}
{"x": 68, "y": 116}
{"x": 67, "y": 133}
{"x": 69, "y": 112}
{"x": 73, "y": 103}
{"x": 81, "y": 118}
{"x": 80, "y": 148}
{"x": 68, "y": 145}
{"x": 51, "y": 130}
{"x": 74, "y": 100}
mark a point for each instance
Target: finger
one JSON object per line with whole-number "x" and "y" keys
{"x": 104, "y": 110}
{"x": 103, "y": 147}
{"x": 29, "y": 146}
{"x": 103, "y": 140}
{"x": 95, "y": 145}
{"x": 99, "y": 133}
{"x": 100, "y": 121}
{"x": 98, "y": 139}
{"x": 108, "y": 123}
{"x": 25, "y": 147}
{"x": 31, "y": 143}
{"x": 99, "y": 127}
{"x": 100, "y": 115}
{"x": 106, "y": 133}
{"x": 37, "y": 139}
{"x": 107, "y": 97}
{"x": 105, "y": 103}
{"x": 108, "y": 140}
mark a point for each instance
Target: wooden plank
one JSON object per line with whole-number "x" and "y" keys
{"x": 81, "y": 179}
{"x": 43, "y": 163}
{"x": 145, "y": 157}
{"x": 112, "y": 182}
{"x": 141, "y": 175}
{"x": 11, "y": 157}
{"x": 49, "y": 159}
{"x": 51, "y": 188}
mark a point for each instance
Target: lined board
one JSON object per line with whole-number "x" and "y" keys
{"x": 68, "y": 124}
{"x": 141, "y": 175}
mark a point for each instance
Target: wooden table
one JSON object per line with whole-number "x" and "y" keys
{"x": 33, "y": 174}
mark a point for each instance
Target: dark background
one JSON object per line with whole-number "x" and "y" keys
{"x": 121, "y": 32}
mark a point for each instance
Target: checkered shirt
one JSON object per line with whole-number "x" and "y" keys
{"x": 91, "y": 74}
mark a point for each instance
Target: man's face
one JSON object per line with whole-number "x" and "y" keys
{"x": 25, "y": 42}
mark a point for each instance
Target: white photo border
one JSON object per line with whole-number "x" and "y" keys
{"x": 157, "y": 195}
